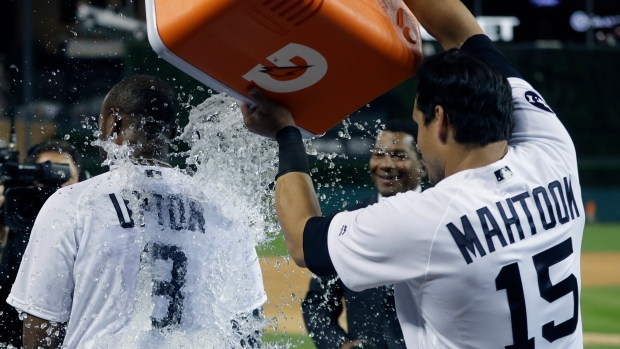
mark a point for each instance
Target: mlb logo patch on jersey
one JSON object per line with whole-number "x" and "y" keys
{"x": 503, "y": 174}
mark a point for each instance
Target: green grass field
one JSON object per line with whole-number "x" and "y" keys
{"x": 601, "y": 238}
{"x": 601, "y": 309}
{"x": 600, "y": 306}
{"x": 276, "y": 247}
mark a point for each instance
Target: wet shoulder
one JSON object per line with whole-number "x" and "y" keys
{"x": 76, "y": 192}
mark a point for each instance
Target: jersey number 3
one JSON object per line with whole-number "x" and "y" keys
{"x": 170, "y": 290}
{"x": 509, "y": 279}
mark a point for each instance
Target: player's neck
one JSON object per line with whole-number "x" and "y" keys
{"x": 149, "y": 154}
{"x": 150, "y": 161}
{"x": 465, "y": 157}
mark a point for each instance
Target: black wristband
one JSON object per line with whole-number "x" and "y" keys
{"x": 292, "y": 152}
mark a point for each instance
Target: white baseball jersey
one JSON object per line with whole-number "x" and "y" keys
{"x": 136, "y": 256}
{"x": 489, "y": 257}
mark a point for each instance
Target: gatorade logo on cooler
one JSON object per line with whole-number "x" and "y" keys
{"x": 296, "y": 67}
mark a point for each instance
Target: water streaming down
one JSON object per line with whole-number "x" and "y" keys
{"x": 233, "y": 166}
{"x": 231, "y": 172}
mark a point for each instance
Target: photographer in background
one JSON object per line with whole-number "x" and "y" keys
{"x": 13, "y": 239}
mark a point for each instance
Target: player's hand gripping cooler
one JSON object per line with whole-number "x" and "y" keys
{"x": 322, "y": 59}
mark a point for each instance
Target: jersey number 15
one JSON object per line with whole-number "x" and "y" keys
{"x": 509, "y": 279}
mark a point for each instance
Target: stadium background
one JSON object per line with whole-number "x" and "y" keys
{"x": 568, "y": 49}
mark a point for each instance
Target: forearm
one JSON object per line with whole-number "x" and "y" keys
{"x": 4, "y": 237}
{"x": 40, "y": 333}
{"x": 448, "y": 21}
{"x": 296, "y": 202}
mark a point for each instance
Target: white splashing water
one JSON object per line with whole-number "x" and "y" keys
{"x": 233, "y": 169}
{"x": 234, "y": 166}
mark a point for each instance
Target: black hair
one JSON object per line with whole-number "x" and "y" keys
{"x": 53, "y": 145}
{"x": 476, "y": 98}
{"x": 145, "y": 99}
{"x": 404, "y": 126}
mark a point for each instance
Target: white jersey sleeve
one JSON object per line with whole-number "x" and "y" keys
{"x": 372, "y": 246}
{"x": 537, "y": 125}
{"x": 48, "y": 261}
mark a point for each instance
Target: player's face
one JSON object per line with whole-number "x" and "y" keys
{"x": 58, "y": 158}
{"x": 427, "y": 147}
{"x": 106, "y": 122}
{"x": 394, "y": 165}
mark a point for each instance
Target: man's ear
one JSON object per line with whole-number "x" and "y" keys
{"x": 116, "y": 120}
{"x": 422, "y": 168}
{"x": 443, "y": 124}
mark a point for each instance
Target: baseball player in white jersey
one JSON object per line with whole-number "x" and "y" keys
{"x": 137, "y": 257}
{"x": 489, "y": 257}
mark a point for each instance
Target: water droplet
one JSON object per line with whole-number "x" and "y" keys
{"x": 66, "y": 137}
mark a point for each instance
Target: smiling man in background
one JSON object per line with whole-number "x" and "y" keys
{"x": 395, "y": 167}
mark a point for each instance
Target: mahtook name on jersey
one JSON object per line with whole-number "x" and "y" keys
{"x": 554, "y": 203}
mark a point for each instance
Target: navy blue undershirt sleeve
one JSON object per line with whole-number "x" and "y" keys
{"x": 316, "y": 253}
{"x": 481, "y": 47}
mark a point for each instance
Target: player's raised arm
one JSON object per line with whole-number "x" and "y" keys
{"x": 448, "y": 21}
{"x": 296, "y": 200}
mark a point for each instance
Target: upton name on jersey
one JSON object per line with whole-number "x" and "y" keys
{"x": 173, "y": 211}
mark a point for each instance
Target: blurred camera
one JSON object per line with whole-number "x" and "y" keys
{"x": 26, "y": 188}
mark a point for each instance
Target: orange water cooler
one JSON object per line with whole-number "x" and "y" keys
{"x": 322, "y": 59}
